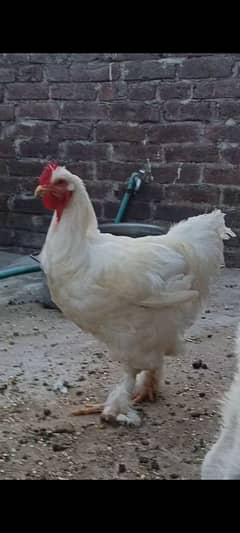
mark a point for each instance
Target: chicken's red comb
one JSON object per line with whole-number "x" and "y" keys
{"x": 47, "y": 172}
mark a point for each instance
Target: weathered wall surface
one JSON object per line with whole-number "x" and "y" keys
{"x": 102, "y": 115}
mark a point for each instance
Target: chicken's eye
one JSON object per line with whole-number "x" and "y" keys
{"x": 60, "y": 182}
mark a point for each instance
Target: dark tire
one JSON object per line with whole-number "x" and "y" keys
{"x": 133, "y": 230}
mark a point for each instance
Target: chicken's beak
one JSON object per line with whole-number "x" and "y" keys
{"x": 40, "y": 191}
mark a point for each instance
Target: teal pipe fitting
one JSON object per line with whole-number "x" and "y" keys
{"x": 134, "y": 185}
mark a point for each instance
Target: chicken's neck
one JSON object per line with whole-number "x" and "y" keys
{"x": 68, "y": 239}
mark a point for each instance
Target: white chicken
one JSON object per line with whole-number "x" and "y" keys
{"x": 222, "y": 461}
{"x": 138, "y": 296}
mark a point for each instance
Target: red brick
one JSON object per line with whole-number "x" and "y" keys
{"x": 232, "y": 256}
{"x": 108, "y": 91}
{"x": 84, "y": 110}
{"x": 222, "y": 132}
{"x": 174, "y": 213}
{"x": 7, "y": 74}
{"x": 88, "y": 57}
{"x": 221, "y": 175}
{"x": 38, "y": 149}
{"x": 112, "y": 132}
{"x": 26, "y": 204}
{"x": 57, "y": 73}
{"x": 97, "y": 190}
{"x": 134, "y": 112}
{"x": 31, "y": 73}
{"x": 148, "y": 70}
{"x": 30, "y": 130}
{"x": 196, "y": 153}
{"x": 27, "y": 91}
{"x": 136, "y": 152}
{"x": 229, "y": 109}
{"x": 175, "y": 110}
{"x": 171, "y": 133}
{"x": 137, "y": 210}
{"x": 86, "y": 151}
{"x": 217, "y": 89}
{"x": 58, "y": 59}
{"x": 14, "y": 185}
{"x": 134, "y": 56}
{"x": 218, "y": 66}
{"x": 192, "y": 194}
{"x": 232, "y": 243}
{"x": 28, "y": 239}
{"x": 83, "y": 169}
{"x": 49, "y": 58}
{"x": 232, "y": 217}
{"x": 3, "y": 203}
{"x": 3, "y": 167}
{"x": 14, "y": 59}
{"x": 41, "y": 222}
{"x": 75, "y": 131}
{"x": 231, "y": 155}
{"x": 74, "y": 91}
{"x": 94, "y": 72}
{"x": 190, "y": 173}
{"x": 25, "y": 168}
{"x": 110, "y": 210}
{"x": 164, "y": 173}
{"x": 38, "y": 58}
{"x": 7, "y": 237}
{"x": 231, "y": 197}
{"x": 174, "y": 89}
{"x": 7, "y": 149}
{"x": 151, "y": 192}
{"x": 39, "y": 111}
{"x": 20, "y": 221}
{"x": 176, "y": 173}
{"x": 115, "y": 171}
{"x": 143, "y": 91}
{"x": 6, "y": 112}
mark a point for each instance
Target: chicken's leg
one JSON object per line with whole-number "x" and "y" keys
{"x": 147, "y": 385}
{"x": 117, "y": 407}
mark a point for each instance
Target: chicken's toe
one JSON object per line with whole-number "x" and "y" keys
{"x": 129, "y": 419}
{"x": 147, "y": 388}
{"x": 88, "y": 410}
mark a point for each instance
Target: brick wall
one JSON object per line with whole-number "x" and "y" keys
{"x": 102, "y": 115}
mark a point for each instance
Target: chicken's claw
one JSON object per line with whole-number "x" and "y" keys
{"x": 129, "y": 419}
{"x": 109, "y": 419}
{"x": 88, "y": 410}
{"x": 148, "y": 389}
{"x": 144, "y": 396}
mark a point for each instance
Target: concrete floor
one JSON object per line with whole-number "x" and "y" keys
{"x": 40, "y": 350}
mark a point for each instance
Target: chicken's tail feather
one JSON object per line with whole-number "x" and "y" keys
{"x": 200, "y": 240}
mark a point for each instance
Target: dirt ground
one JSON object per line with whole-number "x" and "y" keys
{"x": 48, "y": 367}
